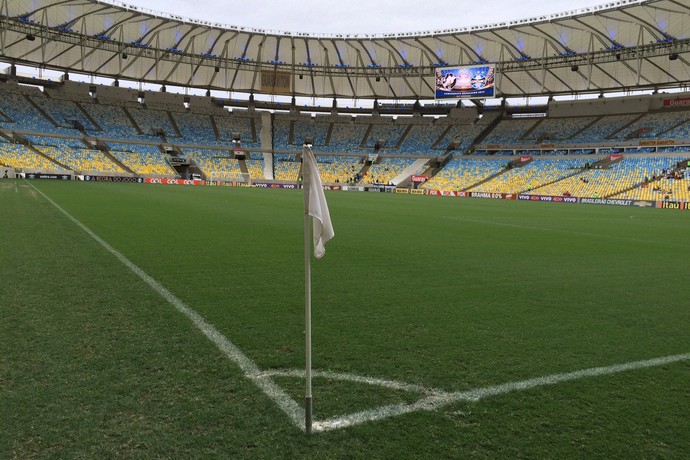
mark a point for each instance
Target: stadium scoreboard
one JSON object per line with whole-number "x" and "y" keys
{"x": 466, "y": 82}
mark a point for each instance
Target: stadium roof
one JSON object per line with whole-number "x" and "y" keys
{"x": 620, "y": 45}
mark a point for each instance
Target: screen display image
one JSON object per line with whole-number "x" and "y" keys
{"x": 465, "y": 82}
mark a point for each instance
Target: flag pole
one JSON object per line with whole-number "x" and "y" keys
{"x": 307, "y": 297}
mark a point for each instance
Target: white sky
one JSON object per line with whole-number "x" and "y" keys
{"x": 360, "y": 16}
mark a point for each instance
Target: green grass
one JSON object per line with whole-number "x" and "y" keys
{"x": 453, "y": 294}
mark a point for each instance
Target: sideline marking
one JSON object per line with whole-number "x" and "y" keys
{"x": 391, "y": 384}
{"x": 251, "y": 371}
{"x": 436, "y": 399}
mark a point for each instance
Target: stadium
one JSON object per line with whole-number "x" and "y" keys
{"x": 508, "y": 276}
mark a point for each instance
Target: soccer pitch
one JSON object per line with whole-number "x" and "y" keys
{"x": 442, "y": 327}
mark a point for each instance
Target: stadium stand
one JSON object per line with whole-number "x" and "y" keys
{"x": 195, "y": 128}
{"x": 21, "y": 157}
{"x": 531, "y": 176}
{"x": 65, "y": 113}
{"x": 603, "y": 128}
{"x": 316, "y": 128}
{"x": 617, "y": 179}
{"x": 112, "y": 120}
{"x": 151, "y": 122}
{"x": 25, "y": 116}
{"x": 339, "y": 170}
{"x": 240, "y": 123}
{"x": 80, "y": 160}
{"x": 421, "y": 139}
{"x": 346, "y": 137}
{"x": 510, "y": 131}
{"x": 558, "y": 129}
{"x": 463, "y": 173}
{"x": 255, "y": 169}
{"x": 287, "y": 169}
{"x": 134, "y": 133}
{"x": 216, "y": 164}
{"x": 142, "y": 159}
{"x": 652, "y": 126}
{"x": 386, "y": 170}
{"x": 386, "y": 130}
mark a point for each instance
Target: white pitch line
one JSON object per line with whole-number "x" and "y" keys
{"x": 251, "y": 371}
{"x": 440, "y": 400}
{"x": 391, "y": 384}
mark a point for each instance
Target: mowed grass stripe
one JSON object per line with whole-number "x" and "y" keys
{"x": 93, "y": 364}
{"x": 251, "y": 371}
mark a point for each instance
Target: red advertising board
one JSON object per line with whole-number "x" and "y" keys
{"x": 678, "y": 102}
{"x": 166, "y": 181}
{"x": 419, "y": 179}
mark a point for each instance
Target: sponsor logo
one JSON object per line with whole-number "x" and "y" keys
{"x": 447, "y": 193}
{"x": 677, "y": 102}
{"x": 417, "y": 192}
{"x": 669, "y": 205}
{"x": 419, "y": 179}
{"x": 659, "y": 142}
{"x": 402, "y": 190}
{"x": 48, "y": 176}
{"x": 495, "y": 196}
{"x": 138, "y": 180}
{"x": 433, "y": 192}
{"x": 606, "y": 201}
{"x": 166, "y": 181}
{"x": 553, "y": 199}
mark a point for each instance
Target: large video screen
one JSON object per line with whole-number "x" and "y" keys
{"x": 474, "y": 82}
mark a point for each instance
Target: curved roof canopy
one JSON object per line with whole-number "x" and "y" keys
{"x": 618, "y": 46}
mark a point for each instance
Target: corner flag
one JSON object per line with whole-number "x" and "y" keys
{"x": 318, "y": 208}
{"x": 315, "y": 206}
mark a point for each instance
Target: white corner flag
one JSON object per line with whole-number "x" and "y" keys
{"x": 315, "y": 206}
{"x": 318, "y": 208}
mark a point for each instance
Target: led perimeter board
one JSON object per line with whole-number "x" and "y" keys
{"x": 475, "y": 82}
